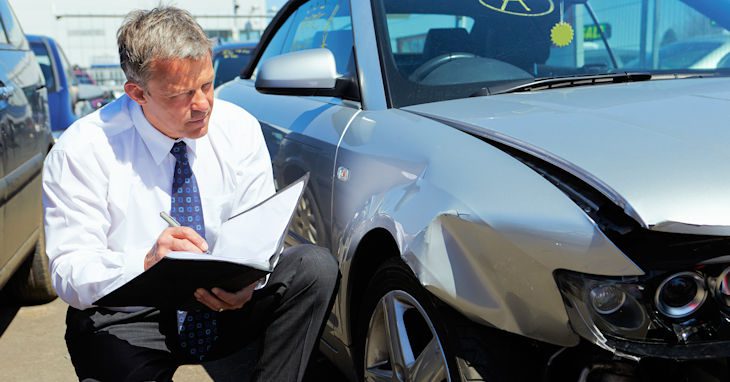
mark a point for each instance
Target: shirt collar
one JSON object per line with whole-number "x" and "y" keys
{"x": 158, "y": 144}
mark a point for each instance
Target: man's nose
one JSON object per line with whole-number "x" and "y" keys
{"x": 200, "y": 101}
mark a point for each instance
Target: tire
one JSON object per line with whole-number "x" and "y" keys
{"x": 444, "y": 345}
{"x": 31, "y": 283}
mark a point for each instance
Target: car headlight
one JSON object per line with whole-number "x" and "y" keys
{"x": 661, "y": 314}
{"x": 680, "y": 295}
{"x": 607, "y": 306}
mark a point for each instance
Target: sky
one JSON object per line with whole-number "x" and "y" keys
{"x": 275, "y": 3}
{"x": 86, "y": 29}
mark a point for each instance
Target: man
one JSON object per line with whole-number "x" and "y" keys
{"x": 112, "y": 172}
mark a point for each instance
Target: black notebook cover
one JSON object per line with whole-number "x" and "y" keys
{"x": 171, "y": 283}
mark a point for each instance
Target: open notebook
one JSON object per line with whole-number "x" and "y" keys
{"x": 247, "y": 249}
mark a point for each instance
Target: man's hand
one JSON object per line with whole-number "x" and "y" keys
{"x": 220, "y": 300}
{"x": 175, "y": 239}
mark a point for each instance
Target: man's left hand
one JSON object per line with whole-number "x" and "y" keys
{"x": 219, "y": 300}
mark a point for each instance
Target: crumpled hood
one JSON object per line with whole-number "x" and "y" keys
{"x": 659, "y": 149}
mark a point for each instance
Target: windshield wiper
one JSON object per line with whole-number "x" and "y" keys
{"x": 563, "y": 82}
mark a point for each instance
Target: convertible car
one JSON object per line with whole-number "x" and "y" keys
{"x": 506, "y": 200}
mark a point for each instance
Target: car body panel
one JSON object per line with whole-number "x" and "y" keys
{"x": 25, "y": 138}
{"x": 642, "y": 127}
{"x": 467, "y": 255}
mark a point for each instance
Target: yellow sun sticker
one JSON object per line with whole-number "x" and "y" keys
{"x": 561, "y": 34}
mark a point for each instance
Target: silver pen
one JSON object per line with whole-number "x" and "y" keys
{"x": 169, "y": 219}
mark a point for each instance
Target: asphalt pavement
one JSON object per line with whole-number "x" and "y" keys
{"x": 32, "y": 348}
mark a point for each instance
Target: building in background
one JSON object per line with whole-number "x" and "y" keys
{"x": 87, "y": 28}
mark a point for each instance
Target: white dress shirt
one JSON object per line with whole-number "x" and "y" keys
{"x": 110, "y": 175}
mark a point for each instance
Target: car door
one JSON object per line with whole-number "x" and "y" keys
{"x": 24, "y": 133}
{"x": 302, "y": 133}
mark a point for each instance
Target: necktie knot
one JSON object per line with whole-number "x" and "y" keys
{"x": 179, "y": 151}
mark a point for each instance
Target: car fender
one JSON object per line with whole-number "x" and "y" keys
{"x": 485, "y": 242}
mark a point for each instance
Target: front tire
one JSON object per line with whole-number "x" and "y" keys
{"x": 408, "y": 335}
{"x": 403, "y": 334}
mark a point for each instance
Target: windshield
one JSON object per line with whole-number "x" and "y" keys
{"x": 435, "y": 50}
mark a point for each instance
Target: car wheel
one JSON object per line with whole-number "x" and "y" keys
{"x": 307, "y": 221}
{"x": 404, "y": 338}
{"x": 31, "y": 283}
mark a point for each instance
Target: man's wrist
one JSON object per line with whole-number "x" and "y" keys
{"x": 151, "y": 258}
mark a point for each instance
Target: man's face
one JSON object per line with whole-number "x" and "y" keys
{"x": 178, "y": 97}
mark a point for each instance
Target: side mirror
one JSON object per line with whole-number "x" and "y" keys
{"x": 305, "y": 72}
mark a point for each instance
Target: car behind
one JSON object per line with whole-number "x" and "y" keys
{"x": 25, "y": 138}
{"x": 229, "y": 59}
{"x": 67, "y": 98}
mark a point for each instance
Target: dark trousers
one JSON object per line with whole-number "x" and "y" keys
{"x": 283, "y": 320}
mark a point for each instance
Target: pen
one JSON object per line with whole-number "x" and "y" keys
{"x": 169, "y": 219}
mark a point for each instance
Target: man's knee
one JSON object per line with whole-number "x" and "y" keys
{"x": 317, "y": 267}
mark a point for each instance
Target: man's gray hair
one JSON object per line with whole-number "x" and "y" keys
{"x": 158, "y": 34}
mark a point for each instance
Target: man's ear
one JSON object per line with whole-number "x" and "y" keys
{"x": 135, "y": 92}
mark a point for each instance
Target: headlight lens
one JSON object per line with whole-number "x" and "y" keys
{"x": 610, "y": 306}
{"x": 680, "y": 294}
{"x": 607, "y": 299}
{"x": 658, "y": 309}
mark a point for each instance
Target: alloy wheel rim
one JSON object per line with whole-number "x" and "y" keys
{"x": 304, "y": 222}
{"x": 402, "y": 344}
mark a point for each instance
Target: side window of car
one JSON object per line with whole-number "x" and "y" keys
{"x": 317, "y": 24}
{"x": 276, "y": 44}
{"x": 14, "y": 33}
{"x": 44, "y": 61}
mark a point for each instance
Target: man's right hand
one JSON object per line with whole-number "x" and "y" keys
{"x": 171, "y": 239}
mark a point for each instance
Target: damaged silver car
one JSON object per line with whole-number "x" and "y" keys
{"x": 507, "y": 199}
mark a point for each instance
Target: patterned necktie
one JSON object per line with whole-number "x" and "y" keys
{"x": 197, "y": 329}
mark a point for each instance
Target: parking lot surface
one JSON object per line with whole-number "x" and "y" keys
{"x": 32, "y": 348}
